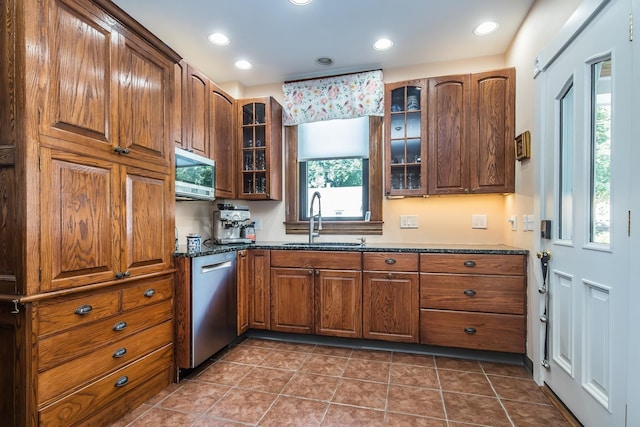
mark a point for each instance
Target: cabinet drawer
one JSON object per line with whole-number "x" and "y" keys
{"x": 390, "y": 261}
{"x": 76, "y": 342}
{"x": 510, "y": 265}
{"x": 317, "y": 259}
{"x": 68, "y": 376}
{"x": 60, "y": 314}
{"x": 478, "y": 331}
{"x": 147, "y": 293}
{"x": 110, "y": 389}
{"x": 497, "y": 294}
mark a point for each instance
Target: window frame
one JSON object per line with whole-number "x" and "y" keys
{"x": 293, "y": 224}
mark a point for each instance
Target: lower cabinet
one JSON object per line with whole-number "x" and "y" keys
{"x": 242, "y": 278}
{"x": 259, "y": 285}
{"x": 316, "y": 292}
{"x": 474, "y": 301}
{"x": 102, "y": 353}
{"x": 390, "y": 297}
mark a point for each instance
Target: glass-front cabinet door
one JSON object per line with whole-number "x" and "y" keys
{"x": 260, "y": 149}
{"x": 405, "y": 138}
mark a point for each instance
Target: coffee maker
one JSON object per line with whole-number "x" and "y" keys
{"x": 228, "y": 223}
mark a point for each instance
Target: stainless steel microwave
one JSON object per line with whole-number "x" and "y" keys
{"x": 195, "y": 176}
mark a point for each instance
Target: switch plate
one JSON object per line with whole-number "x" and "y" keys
{"x": 514, "y": 222}
{"x": 527, "y": 222}
{"x": 478, "y": 221}
{"x": 408, "y": 221}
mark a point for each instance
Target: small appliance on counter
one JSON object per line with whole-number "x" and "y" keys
{"x": 229, "y": 222}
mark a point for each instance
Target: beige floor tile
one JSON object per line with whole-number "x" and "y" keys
{"x": 533, "y": 415}
{"x": 458, "y": 364}
{"x": 158, "y": 417}
{"x": 470, "y": 408}
{"x": 225, "y": 373}
{"x": 291, "y": 411}
{"x": 290, "y": 360}
{"x": 366, "y": 394}
{"x": 416, "y": 376}
{"x": 413, "y": 359}
{"x": 378, "y": 355}
{"x": 491, "y": 368}
{"x": 521, "y": 389}
{"x": 268, "y": 380}
{"x": 371, "y": 370}
{"x": 465, "y": 382}
{"x": 416, "y": 401}
{"x": 312, "y": 386}
{"x": 244, "y": 406}
{"x": 350, "y": 416}
{"x": 325, "y": 365}
{"x": 403, "y": 420}
{"x": 195, "y": 397}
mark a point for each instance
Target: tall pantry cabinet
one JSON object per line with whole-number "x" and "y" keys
{"x": 86, "y": 213}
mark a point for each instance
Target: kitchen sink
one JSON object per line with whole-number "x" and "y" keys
{"x": 321, "y": 244}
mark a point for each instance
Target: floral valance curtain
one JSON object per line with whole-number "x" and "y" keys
{"x": 340, "y": 97}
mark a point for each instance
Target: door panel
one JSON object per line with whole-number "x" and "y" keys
{"x": 79, "y": 237}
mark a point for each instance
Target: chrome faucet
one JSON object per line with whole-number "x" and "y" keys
{"x": 312, "y": 216}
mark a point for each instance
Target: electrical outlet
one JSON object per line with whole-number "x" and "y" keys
{"x": 408, "y": 221}
{"x": 258, "y": 223}
{"x": 478, "y": 221}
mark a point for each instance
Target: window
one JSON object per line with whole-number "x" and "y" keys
{"x": 566, "y": 165}
{"x": 347, "y": 175}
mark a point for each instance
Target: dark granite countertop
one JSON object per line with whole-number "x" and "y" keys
{"x": 368, "y": 247}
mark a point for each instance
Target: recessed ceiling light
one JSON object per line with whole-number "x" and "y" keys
{"x": 485, "y": 28}
{"x": 243, "y": 65}
{"x": 219, "y": 39}
{"x": 382, "y": 44}
{"x": 325, "y": 61}
{"x": 300, "y": 2}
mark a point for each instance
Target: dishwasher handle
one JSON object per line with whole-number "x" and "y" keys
{"x": 213, "y": 267}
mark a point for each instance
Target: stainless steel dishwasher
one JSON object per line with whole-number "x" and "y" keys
{"x": 213, "y": 304}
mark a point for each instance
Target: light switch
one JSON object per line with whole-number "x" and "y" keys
{"x": 514, "y": 222}
{"x": 478, "y": 221}
{"x": 408, "y": 221}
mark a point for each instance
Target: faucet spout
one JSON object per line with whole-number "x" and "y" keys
{"x": 312, "y": 234}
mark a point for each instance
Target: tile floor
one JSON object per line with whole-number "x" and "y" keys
{"x": 272, "y": 383}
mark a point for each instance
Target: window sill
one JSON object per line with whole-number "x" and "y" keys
{"x": 337, "y": 227}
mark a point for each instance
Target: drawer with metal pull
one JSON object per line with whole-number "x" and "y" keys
{"x": 479, "y": 331}
{"x": 510, "y": 265}
{"x": 82, "y": 340}
{"x": 390, "y": 261}
{"x": 497, "y": 294}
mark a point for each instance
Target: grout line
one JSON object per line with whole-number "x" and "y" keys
{"x": 497, "y": 395}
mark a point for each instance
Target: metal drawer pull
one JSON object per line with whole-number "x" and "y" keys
{"x": 119, "y": 353}
{"x": 390, "y": 261}
{"x": 122, "y": 381}
{"x": 470, "y": 293}
{"x": 83, "y": 309}
{"x": 119, "y": 326}
{"x": 469, "y": 263}
{"x": 389, "y": 276}
{"x": 149, "y": 293}
{"x": 470, "y": 331}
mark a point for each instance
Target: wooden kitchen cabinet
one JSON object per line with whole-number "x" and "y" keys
{"x": 292, "y": 300}
{"x": 317, "y": 292}
{"x": 222, "y": 149}
{"x": 475, "y": 301}
{"x": 491, "y": 146}
{"x": 242, "y": 279}
{"x": 471, "y": 131}
{"x": 259, "y": 149}
{"x": 196, "y": 129}
{"x": 390, "y": 296}
{"x": 260, "y": 289}
{"x": 405, "y": 138}
{"x": 115, "y": 219}
{"x": 85, "y": 170}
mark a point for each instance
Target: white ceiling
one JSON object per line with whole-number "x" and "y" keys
{"x": 282, "y": 40}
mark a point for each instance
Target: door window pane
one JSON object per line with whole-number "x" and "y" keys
{"x": 565, "y": 203}
{"x": 600, "y": 218}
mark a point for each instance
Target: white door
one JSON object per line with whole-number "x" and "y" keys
{"x": 585, "y": 173}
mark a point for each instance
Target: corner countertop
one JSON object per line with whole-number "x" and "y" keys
{"x": 368, "y": 247}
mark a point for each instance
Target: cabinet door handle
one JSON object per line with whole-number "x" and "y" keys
{"x": 117, "y": 149}
{"x": 119, "y": 353}
{"x": 119, "y": 326}
{"x": 469, "y": 263}
{"x": 122, "y": 381}
{"x": 310, "y": 272}
{"x": 390, "y": 261}
{"x": 317, "y": 272}
{"x": 119, "y": 275}
{"x": 83, "y": 309}
{"x": 470, "y": 293}
{"x": 470, "y": 331}
{"x": 126, "y": 274}
{"x": 149, "y": 293}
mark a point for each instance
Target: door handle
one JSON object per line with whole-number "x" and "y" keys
{"x": 213, "y": 267}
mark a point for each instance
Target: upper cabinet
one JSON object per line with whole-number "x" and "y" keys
{"x": 122, "y": 89}
{"x": 463, "y": 128}
{"x": 196, "y": 130}
{"x": 492, "y": 150}
{"x": 406, "y": 139}
{"x": 222, "y": 121}
{"x": 260, "y": 149}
